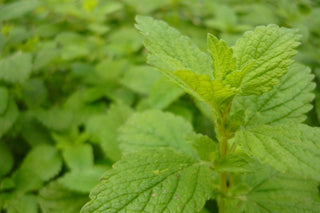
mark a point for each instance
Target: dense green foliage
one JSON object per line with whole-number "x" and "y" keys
{"x": 76, "y": 96}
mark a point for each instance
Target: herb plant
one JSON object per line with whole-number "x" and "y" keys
{"x": 262, "y": 158}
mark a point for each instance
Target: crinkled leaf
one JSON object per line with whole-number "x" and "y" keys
{"x": 222, "y": 55}
{"x": 268, "y": 50}
{"x": 287, "y": 102}
{"x": 16, "y": 68}
{"x": 289, "y": 148}
{"x": 203, "y": 88}
{"x": 56, "y": 199}
{"x": 169, "y": 50}
{"x": 156, "y": 129}
{"x": 82, "y": 181}
{"x": 105, "y": 129}
{"x": 271, "y": 191}
{"x": 155, "y": 181}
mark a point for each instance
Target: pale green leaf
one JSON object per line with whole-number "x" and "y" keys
{"x": 206, "y": 148}
{"x": 104, "y": 129}
{"x": 16, "y": 68}
{"x": 271, "y": 191}
{"x": 6, "y": 159}
{"x": 155, "y": 129}
{"x": 287, "y": 102}
{"x": 78, "y": 156}
{"x": 17, "y": 9}
{"x": 20, "y": 203}
{"x": 268, "y": 50}
{"x": 169, "y": 50}
{"x": 44, "y": 160}
{"x": 82, "y": 181}
{"x": 8, "y": 118}
{"x": 56, "y": 199}
{"x": 289, "y": 148}
{"x": 155, "y": 181}
{"x": 4, "y": 99}
{"x": 222, "y": 55}
{"x": 202, "y": 87}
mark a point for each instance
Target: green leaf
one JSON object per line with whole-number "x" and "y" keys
{"x": 287, "y": 102}
{"x": 19, "y": 203}
{"x": 82, "y": 180}
{"x": 155, "y": 181}
{"x": 9, "y": 117}
{"x": 4, "y": 99}
{"x": 203, "y": 88}
{"x": 169, "y": 50}
{"x": 271, "y": 191}
{"x": 289, "y": 148}
{"x": 104, "y": 128}
{"x": 155, "y": 129}
{"x": 78, "y": 156}
{"x": 268, "y": 50}
{"x": 222, "y": 55}
{"x": 6, "y": 159}
{"x": 206, "y": 148}
{"x": 16, "y": 68}
{"x": 17, "y": 9}
{"x": 56, "y": 118}
{"x": 235, "y": 162}
{"x": 44, "y": 161}
{"x": 56, "y": 199}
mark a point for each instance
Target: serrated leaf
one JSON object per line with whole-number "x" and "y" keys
{"x": 202, "y": 87}
{"x": 169, "y": 50}
{"x": 8, "y": 118}
{"x": 289, "y": 148}
{"x": 287, "y": 102}
{"x": 6, "y": 159}
{"x": 44, "y": 161}
{"x": 16, "y": 68}
{"x": 206, "y": 148}
{"x": 4, "y": 95}
{"x": 105, "y": 129}
{"x": 271, "y": 191}
{"x": 56, "y": 199}
{"x": 155, "y": 129}
{"x": 82, "y": 181}
{"x": 222, "y": 55}
{"x": 17, "y": 9}
{"x": 268, "y": 50}
{"x": 158, "y": 181}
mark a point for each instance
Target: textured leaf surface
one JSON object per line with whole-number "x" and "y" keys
{"x": 16, "y": 68}
{"x": 202, "y": 87}
{"x": 159, "y": 181}
{"x": 267, "y": 50}
{"x": 271, "y": 191}
{"x": 287, "y": 102}
{"x": 222, "y": 55}
{"x": 156, "y": 129}
{"x": 56, "y": 199}
{"x": 288, "y": 148}
{"x": 169, "y": 50}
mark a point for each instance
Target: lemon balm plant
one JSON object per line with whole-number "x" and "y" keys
{"x": 263, "y": 159}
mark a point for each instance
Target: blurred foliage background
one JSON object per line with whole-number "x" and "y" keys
{"x": 73, "y": 71}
